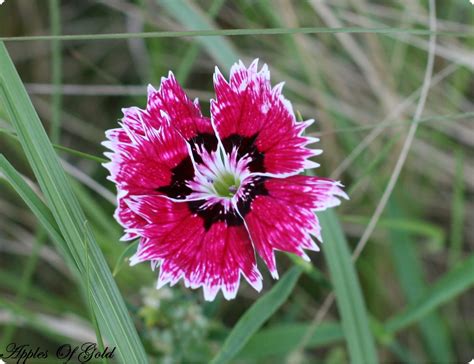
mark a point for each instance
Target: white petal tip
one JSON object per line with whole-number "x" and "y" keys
{"x": 310, "y": 164}
{"x": 134, "y": 260}
{"x": 150, "y": 89}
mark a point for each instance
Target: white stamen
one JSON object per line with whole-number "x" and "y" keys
{"x": 218, "y": 179}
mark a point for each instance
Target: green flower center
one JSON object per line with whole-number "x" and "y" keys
{"x": 226, "y": 185}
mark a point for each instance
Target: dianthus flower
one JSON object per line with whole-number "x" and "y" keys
{"x": 204, "y": 195}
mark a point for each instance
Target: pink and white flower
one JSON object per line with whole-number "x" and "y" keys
{"x": 205, "y": 195}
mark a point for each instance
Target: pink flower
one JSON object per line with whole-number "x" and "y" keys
{"x": 204, "y": 195}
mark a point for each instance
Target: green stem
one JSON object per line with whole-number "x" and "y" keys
{"x": 56, "y": 65}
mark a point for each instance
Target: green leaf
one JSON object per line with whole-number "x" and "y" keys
{"x": 349, "y": 297}
{"x": 115, "y": 322}
{"x": 256, "y": 316}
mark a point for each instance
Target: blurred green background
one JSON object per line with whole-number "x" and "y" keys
{"x": 417, "y": 269}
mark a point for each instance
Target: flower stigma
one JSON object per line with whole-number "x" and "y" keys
{"x": 220, "y": 175}
{"x": 226, "y": 185}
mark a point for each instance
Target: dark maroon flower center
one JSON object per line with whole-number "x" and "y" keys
{"x": 184, "y": 174}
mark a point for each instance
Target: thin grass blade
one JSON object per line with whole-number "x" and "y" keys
{"x": 457, "y": 210}
{"x": 56, "y": 68}
{"x": 350, "y": 302}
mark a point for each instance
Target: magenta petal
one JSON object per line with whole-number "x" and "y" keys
{"x": 212, "y": 259}
{"x": 171, "y": 103}
{"x": 146, "y": 162}
{"x": 249, "y": 107}
{"x": 146, "y": 149}
{"x": 152, "y": 142}
{"x": 284, "y": 219}
{"x": 141, "y": 169}
{"x": 134, "y": 118}
{"x": 127, "y": 218}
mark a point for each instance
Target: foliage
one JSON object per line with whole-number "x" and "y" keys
{"x": 356, "y": 67}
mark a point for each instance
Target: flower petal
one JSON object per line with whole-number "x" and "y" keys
{"x": 212, "y": 258}
{"x": 134, "y": 118}
{"x": 145, "y": 163}
{"x": 149, "y": 152}
{"x": 127, "y": 218}
{"x": 171, "y": 102}
{"x": 284, "y": 219}
{"x": 251, "y": 114}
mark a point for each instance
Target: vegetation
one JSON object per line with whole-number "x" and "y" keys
{"x": 391, "y": 87}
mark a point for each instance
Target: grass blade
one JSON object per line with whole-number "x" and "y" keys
{"x": 349, "y": 297}
{"x": 70, "y": 151}
{"x": 116, "y": 324}
{"x": 412, "y": 282}
{"x": 56, "y": 68}
{"x": 282, "y": 339}
{"x": 256, "y": 316}
{"x": 123, "y": 259}
{"x": 239, "y": 32}
{"x": 191, "y": 17}
{"x": 47, "y": 220}
{"x": 192, "y": 52}
{"x": 34, "y": 203}
{"x": 453, "y": 283}
{"x": 457, "y": 210}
